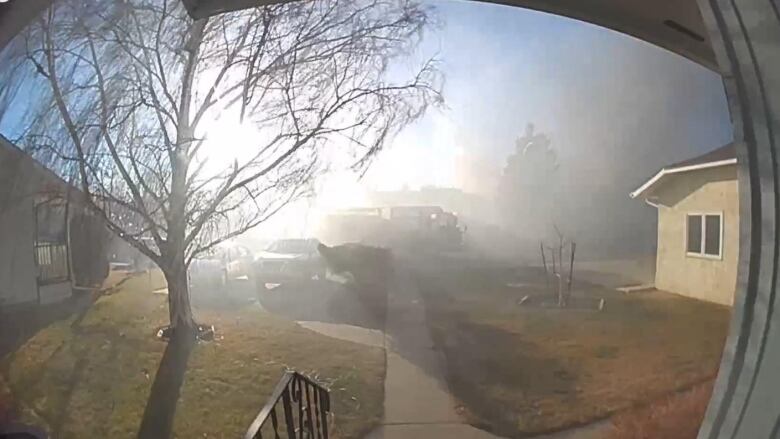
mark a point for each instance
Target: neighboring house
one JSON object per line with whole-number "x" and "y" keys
{"x": 698, "y": 225}
{"x": 35, "y": 255}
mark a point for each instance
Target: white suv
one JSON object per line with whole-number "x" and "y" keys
{"x": 227, "y": 263}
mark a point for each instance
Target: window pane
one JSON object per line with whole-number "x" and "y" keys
{"x": 50, "y": 219}
{"x": 712, "y": 240}
{"x": 694, "y": 234}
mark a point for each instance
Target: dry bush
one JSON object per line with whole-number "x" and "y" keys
{"x": 368, "y": 265}
{"x": 371, "y": 269}
{"x": 676, "y": 417}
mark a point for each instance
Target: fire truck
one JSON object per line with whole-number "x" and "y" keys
{"x": 428, "y": 227}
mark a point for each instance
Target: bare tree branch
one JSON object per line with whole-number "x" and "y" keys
{"x": 136, "y": 92}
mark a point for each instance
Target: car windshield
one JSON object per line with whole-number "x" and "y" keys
{"x": 295, "y": 246}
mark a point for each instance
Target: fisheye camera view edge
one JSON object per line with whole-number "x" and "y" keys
{"x": 387, "y": 219}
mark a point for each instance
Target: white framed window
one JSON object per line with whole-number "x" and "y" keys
{"x": 704, "y": 235}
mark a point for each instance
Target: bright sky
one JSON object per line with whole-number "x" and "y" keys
{"x": 616, "y": 108}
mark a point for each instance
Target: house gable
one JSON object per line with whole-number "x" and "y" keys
{"x": 712, "y": 192}
{"x": 677, "y": 188}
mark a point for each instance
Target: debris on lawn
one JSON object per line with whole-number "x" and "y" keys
{"x": 204, "y": 333}
{"x": 574, "y": 304}
{"x": 636, "y": 288}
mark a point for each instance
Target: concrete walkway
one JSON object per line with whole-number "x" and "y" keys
{"x": 418, "y": 404}
{"x": 355, "y": 334}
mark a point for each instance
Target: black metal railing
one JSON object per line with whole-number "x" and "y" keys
{"x": 52, "y": 261}
{"x": 305, "y": 408}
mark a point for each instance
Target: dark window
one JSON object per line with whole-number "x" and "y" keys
{"x": 712, "y": 235}
{"x": 694, "y": 234}
{"x": 51, "y": 251}
{"x": 703, "y": 234}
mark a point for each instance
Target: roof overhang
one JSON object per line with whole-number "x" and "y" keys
{"x": 675, "y": 25}
{"x": 664, "y": 172}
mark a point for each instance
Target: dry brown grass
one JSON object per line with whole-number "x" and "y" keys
{"x": 675, "y": 417}
{"x": 93, "y": 379}
{"x": 520, "y": 371}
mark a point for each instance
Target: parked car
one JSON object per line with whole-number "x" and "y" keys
{"x": 226, "y": 263}
{"x": 288, "y": 260}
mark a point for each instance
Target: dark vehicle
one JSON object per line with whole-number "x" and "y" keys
{"x": 365, "y": 265}
{"x": 288, "y": 260}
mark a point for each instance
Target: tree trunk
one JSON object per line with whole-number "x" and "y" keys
{"x": 175, "y": 270}
{"x": 179, "y": 308}
{"x": 173, "y": 252}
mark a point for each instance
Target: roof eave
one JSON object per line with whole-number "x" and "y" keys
{"x": 663, "y": 172}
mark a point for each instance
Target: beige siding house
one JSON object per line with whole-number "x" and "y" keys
{"x": 698, "y": 225}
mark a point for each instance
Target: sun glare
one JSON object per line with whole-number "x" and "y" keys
{"x": 228, "y": 140}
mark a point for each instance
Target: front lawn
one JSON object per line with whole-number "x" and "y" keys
{"x": 676, "y": 416}
{"x": 518, "y": 370}
{"x": 91, "y": 378}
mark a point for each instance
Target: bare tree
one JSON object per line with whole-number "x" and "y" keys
{"x": 132, "y": 88}
{"x": 556, "y": 251}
